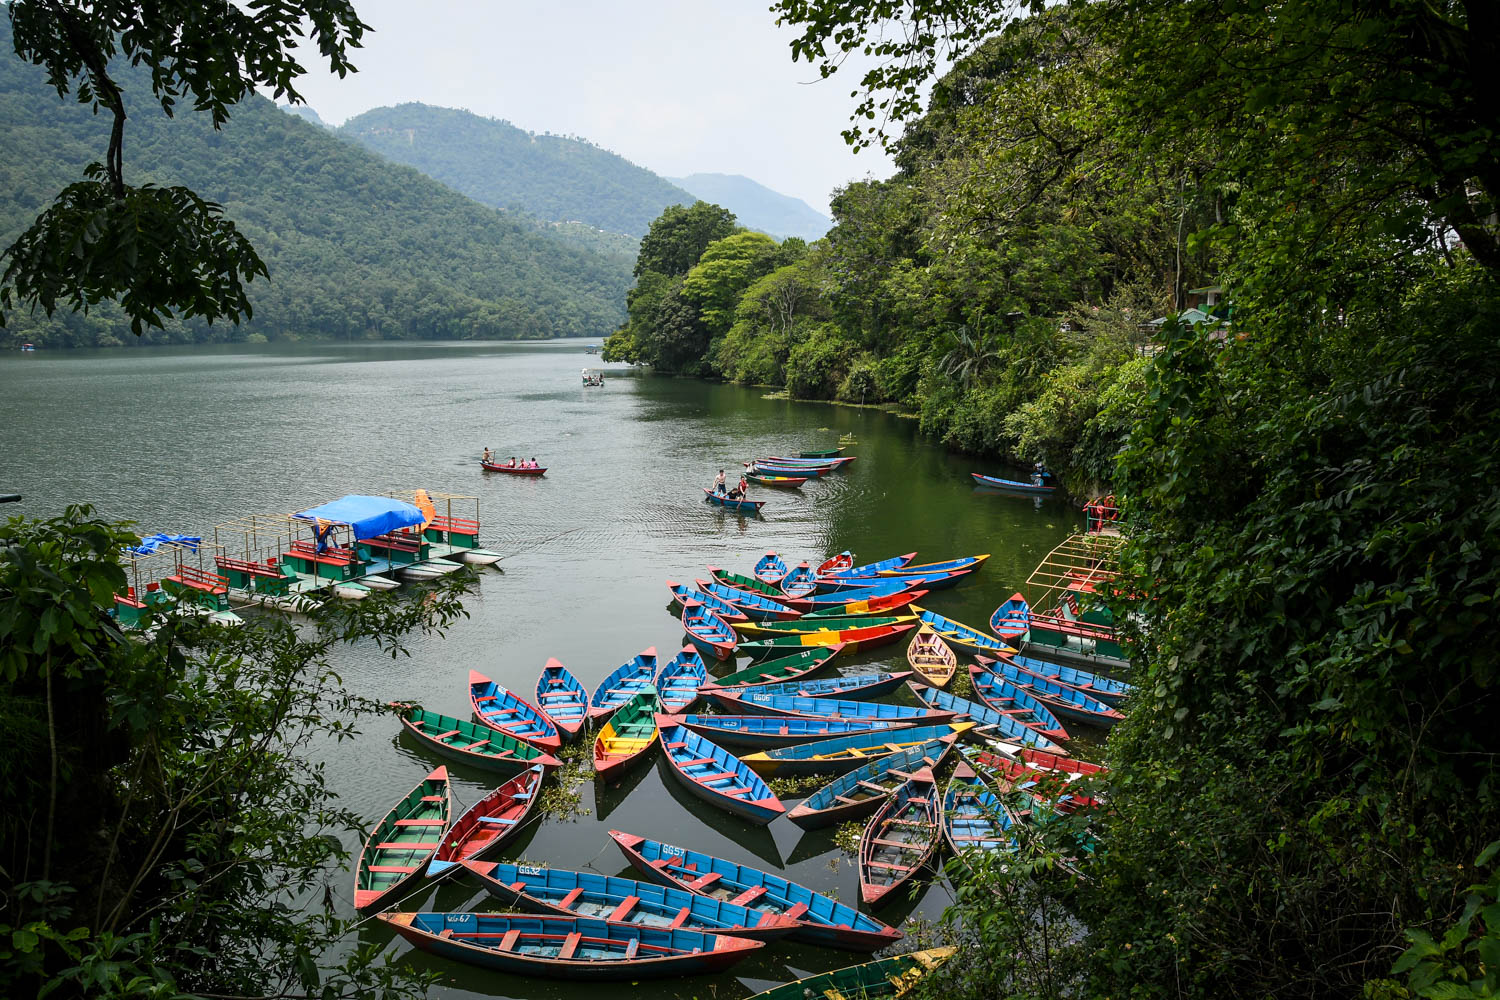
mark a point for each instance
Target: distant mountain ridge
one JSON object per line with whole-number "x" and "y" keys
{"x": 757, "y": 206}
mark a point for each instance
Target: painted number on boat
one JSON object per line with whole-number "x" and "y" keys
{"x": 460, "y": 921}
{"x": 531, "y": 869}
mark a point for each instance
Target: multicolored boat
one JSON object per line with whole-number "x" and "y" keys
{"x": 861, "y": 791}
{"x": 1009, "y": 700}
{"x": 680, "y": 680}
{"x": 824, "y": 921}
{"x": 403, "y": 842}
{"x": 717, "y": 776}
{"x": 624, "y": 900}
{"x": 963, "y": 564}
{"x": 887, "y": 977}
{"x": 753, "y": 701}
{"x": 804, "y": 625}
{"x": 682, "y": 592}
{"x": 1106, "y": 689}
{"x": 561, "y": 698}
{"x": 627, "y": 736}
{"x": 1013, "y": 486}
{"x": 742, "y": 506}
{"x": 784, "y": 670}
{"x": 864, "y": 601}
{"x": 900, "y": 840}
{"x": 470, "y": 743}
{"x": 514, "y": 470}
{"x": 988, "y": 720}
{"x": 765, "y": 732}
{"x": 625, "y": 682}
{"x": 748, "y": 584}
{"x": 974, "y": 818}
{"x": 1012, "y": 619}
{"x": 850, "y": 639}
{"x": 1065, "y": 701}
{"x": 799, "y": 581}
{"x": 960, "y": 636}
{"x": 833, "y": 564}
{"x": 500, "y": 708}
{"x": 781, "y": 482}
{"x": 711, "y": 634}
{"x": 835, "y": 461}
{"x": 869, "y": 569}
{"x": 931, "y": 658}
{"x": 490, "y": 822}
{"x": 754, "y": 606}
{"x": 858, "y": 686}
{"x": 770, "y": 569}
{"x": 845, "y": 753}
{"x": 557, "y": 947}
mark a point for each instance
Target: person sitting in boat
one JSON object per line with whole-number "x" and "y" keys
{"x": 486, "y": 454}
{"x": 738, "y": 493}
{"x": 512, "y": 463}
{"x": 719, "y": 483}
{"x": 1038, "y": 474}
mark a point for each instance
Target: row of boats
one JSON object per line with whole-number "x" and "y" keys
{"x": 697, "y": 913}
{"x": 782, "y": 472}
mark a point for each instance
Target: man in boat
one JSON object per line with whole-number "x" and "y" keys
{"x": 1038, "y": 474}
{"x": 719, "y": 483}
{"x": 738, "y": 493}
{"x": 486, "y": 454}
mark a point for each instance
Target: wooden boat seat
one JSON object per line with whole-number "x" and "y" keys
{"x": 444, "y": 736}
{"x": 623, "y": 910}
{"x": 681, "y": 918}
{"x": 718, "y": 776}
{"x": 704, "y": 881}
{"x": 432, "y": 798}
{"x": 632, "y": 947}
{"x": 399, "y": 869}
{"x": 696, "y": 761}
{"x": 570, "y": 945}
{"x": 497, "y": 712}
{"x": 795, "y": 913}
{"x": 900, "y": 844}
{"x": 733, "y": 792}
{"x": 675, "y": 746}
{"x": 508, "y": 942}
{"x": 421, "y": 822}
{"x": 749, "y": 896}
{"x": 396, "y": 845}
{"x": 881, "y": 789}
{"x": 846, "y": 800}
{"x": 572, "y": 897}
{"x": 496, "y": 819}
{"x": 888, "y": 864}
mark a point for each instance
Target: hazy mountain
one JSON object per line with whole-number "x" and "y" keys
{"x": 305, "y": 113}
{"x": 553, "y": 177}
{"x": 757, "y": 206}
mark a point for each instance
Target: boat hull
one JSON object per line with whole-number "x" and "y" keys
{"x": 513, "y": 470}
{"x": 742, "y": 506}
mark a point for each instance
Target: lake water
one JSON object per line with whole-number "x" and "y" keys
{"x": 182, "y": 440}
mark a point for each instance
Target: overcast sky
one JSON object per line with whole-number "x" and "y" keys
{"x": 677, "y": 86}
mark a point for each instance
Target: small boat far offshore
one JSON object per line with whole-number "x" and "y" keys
{"x": 515, "y": 470}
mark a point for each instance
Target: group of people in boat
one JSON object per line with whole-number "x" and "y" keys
{"x": 736, "y": 493}
{"x": 592, "y": 377}
{"x": 491, "y": 459}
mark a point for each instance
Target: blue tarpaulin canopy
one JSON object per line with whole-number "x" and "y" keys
{"x": 151, "y": 543}
{"x": 368, "y": 516}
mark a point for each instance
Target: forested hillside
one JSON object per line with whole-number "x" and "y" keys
{"x": 553, "y": 177}
{"x": 756, "y": 205}
{"x": 357, "y": 247}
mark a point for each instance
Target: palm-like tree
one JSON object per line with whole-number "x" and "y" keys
{"x": 968, "y": 357}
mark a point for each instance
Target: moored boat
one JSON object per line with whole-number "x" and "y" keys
{"x": 743, "y": 506}
{"x": 988, "y": 721}
{"x": 717, "y": 776}
{"x": 627, "y": 736}
{"x": 746, "y": 583}
{"x": 974, "y": 818}
{"x": 624, "y": 900}
{"x": 865, "y": 601}
{"x": 844, "y": 753}
{"x": 804, "y": 625}
{"x": 500, "y": 708}
{"x": 824, "y": 920}
{"x": 680, "y": 680}
{"x": 835, "y": 461}
{"x": 1009, "y": 700}
{"x": 558, "y": 947}
{"x": 1065, "y": 701}
{"x": 682, "y": 592}
{"x": 861, "y": 791}
{"x": 770, "y": 569}
{"x": 931, "y": 658}
{"x": 490, "y": 822}
{"x": 711, "y": 634}
{"x": 850, "y": 640}
{"x": 470, "y": 743}
{"x": 886, "y": 977}
{"x": 764, "y": 732}
{"x": 857, "y": 686}
{"x": 1012, "y": 619}
{"x": 514, "y": 470}
{"x": 752, "y": 701}
{"x": 871, "y": 569}
{"x": 781, "y": 482}
{"x": 963, "y": 564}
{"x": 900, "y": 840}
{"x": 750, "y": 604}
{"x": 561, "y": 698}
{"x": 788, "y": 668}
{"x": 799, "y": 581}
{"x": 961, "y": 636}
{"x": 833, "y": 589}
{"x": 1013, "y": 486}
{"x": 833, "y": 564}
{"x": 624, "y": 682}
{"x": 1096, "y": 686}
{"x": 403, "y": 842}
{"x": 825, "y": 453}
{"x": 791, "y": 471}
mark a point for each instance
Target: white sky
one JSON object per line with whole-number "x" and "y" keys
{"x": 677, "y": 86}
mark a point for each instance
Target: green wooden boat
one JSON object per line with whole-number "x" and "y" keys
{"x": 627, "y": 736}
{"x": 825, "y": 453}
{"x": 402, "y": 843}
{"x": 471, "y": 743}
{"x": 800, "y": 626}
{"x": 741, "y": 582}
{"x": 788, "y": 668}
{"x": 889, "y": 977}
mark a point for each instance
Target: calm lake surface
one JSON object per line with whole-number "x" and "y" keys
{"x": 183, "y": 440}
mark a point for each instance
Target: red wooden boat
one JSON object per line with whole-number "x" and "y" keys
{"x": 844, "y": 560}
{"x": 513, "y": 470}
{"x": 877, "y": 605}
{"x": 491, "y": 821}
{"x": 900, "y": 840}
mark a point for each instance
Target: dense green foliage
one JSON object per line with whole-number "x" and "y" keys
{"x": 553, "y": 177}
{"x": 167, "y": 831}
{"x": 756, "y": 205}
{"x": 356, "y": 247}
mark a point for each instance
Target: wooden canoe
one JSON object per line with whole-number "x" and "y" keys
{"x": 987, "y": 720}
{"x": 871, "y": 569}
{"x": 627, "y": 737}
{"x": 471, "y": 743}
{"x": 864, "y": 602}
{"x": 1007, "y": 699}
{"x": 833, "y": 564}
{"x": 500, "y": 708}
{"x": 1064, "y": 700}
{"x": 624, "y": 900}
{"x": 963, "y": 564}
{"x": 513, "y": 470}
{"x": 711, "y": 634}
{"x": 788, "y": 668}
{"x": 743, "y": 506}
{"x": 748, "y": 584}
{"x": 763, "y": 630}
{"x": 900, "y": 840}
{"x": 558, "y": 947}
{"x": 562, "y": 699}
{"x": 1011, "y": 485}
{"x": 887, "y": 977}
{"x": 793, "y": 471}
{"x": 765, "y": 732}
{"x": 825, "y": 453}
{"x": 770, "y": 569}
{"x": 799, "y": 581}
{"x": 754, "y": 701}
{"x": 834, "y": 462}
{"x": 845, "y": 753}
{"x": 626, "y": 681}
{"x": 974, "y": 818}
{"x": 680, "y": 680}
{"x": 860, "y": 792}
{"x": 403, "y": 842}
{"x": 851, "y": 639}
{"x": 781, "y": 482}
{"x": 931, "y": 658}
{"x": 960, "y": 636}
{"x": 857, "y": 686}
{"x": 717, "y": 776}
{"x": 1096, "y": 686}
{"x": 755, "y": 606}
{"x": 1037, "y": 780}
{"x": 836, "y": 589}
{"x": 682, "y": 592}
{"x": 1012, "y": 619}
{"x": 490, "y": 822}
{"x": 824, "y": 920}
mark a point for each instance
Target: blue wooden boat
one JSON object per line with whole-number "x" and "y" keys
{"x": 855, "y": 686}
{"x": 935, "y": 580}
{"x": 862, "y": 601}
{"x": 845, "y": 753}
{"x": 682, "y": 592}
{"x": 1008, "y": 699}
{"x": 707, "y": 631}
{"x": 990, "y": 722}
{"x": 799, "y": 581}
{"x": 500, "y": 708}
{"x": 756, "y": 607}
{"x": 825, "y": 921}
{"x": 1012, "y": 620}
{"x": 562, "y": 699}
{"x": 717, "y": 776}
{"x": 628, "y": 679}
{"x": 791, "y": 471}
{"x": 860, "y": 792}
{"x": 900, "y": 840}
{"x": 832, "y": 593}
{"x": 764, "y": 732}
{"x": 974, "y": 818}
{"x": 1096, "y": 686}
{"x": 624, "y": 900}
{"x": 836, "y": 461}
{"x": 679, "y": 681}
{"x": 1011, "y": 485}
{"x": 961, "y": 636}
{"x": 557, "y": 947}
{"x": 743, "y": 506}
{"x": 770, "y": 569}
{"x": 752, "y": 701}
{"x": 873, "y": 568}
{"x": 963, "y": 564}
{"x": 1065, "y": 701}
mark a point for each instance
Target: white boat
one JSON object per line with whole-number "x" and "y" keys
{"x": 351, "y": 591}
{"x": 479, "y": 557}
{"x": 377, "y": 582}
{"x": 430, "y": 570}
